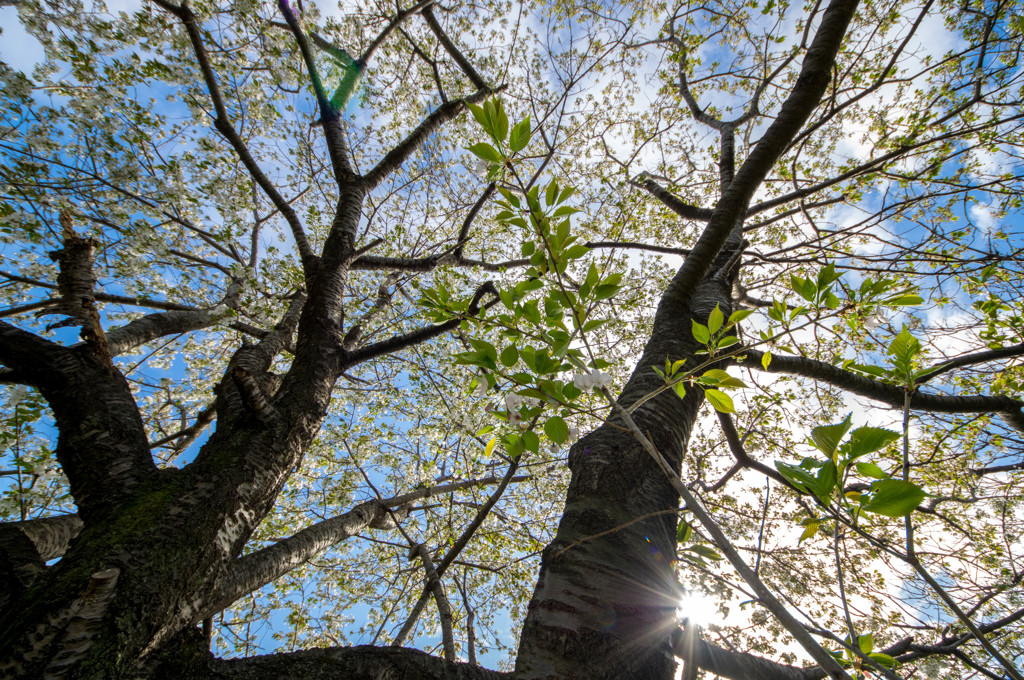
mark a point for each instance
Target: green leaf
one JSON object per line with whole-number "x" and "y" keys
{"x": 684, "y": 531}
{"x": 704, "y": 551}
{"x": 679, "y": 389}
{"x": 715, "y": 319}
{"x": 827, "y": 276}
{"x": 905, "y": 300}
{"x": 883, "y": 659}
{"x": 719, "y": 377}
{"x": 894, "y": 498}
{"x": 766, "y": 359}
{"x": 810, "y": 529}
{"x": 486, "y": 152}
{"x": 739, "y": 315}
{"x": 796, "y": 475}
{"x": 520, "y": 136}
{"x": 804, "y": 287}
{"x": 871, "y": 470}
{"x": 551, "y": 193}
{"x": 481, "y": 117}
{"x": 826, "y": 480}
{"x": 556, "y": 430}
{"x": 700, "y": 332}
{"x": 509, "y": 356}
{"x": 605, "y": 291}
{"x": 904, "y": 346}
{"x": 489, "y": 449}
{"x": 827, "y": 437}
{"x": 531, "y": 441}
{"x": 866, "y": 642}
{"x": 576, "y": 252}
{"x": 720, "y": 400}
{"x": 865, "y": 440}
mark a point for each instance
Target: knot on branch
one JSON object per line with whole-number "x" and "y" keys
{"x": 253, "y": 395}
{"x": 386, "y": 519}
{"x": 75, "y": 283}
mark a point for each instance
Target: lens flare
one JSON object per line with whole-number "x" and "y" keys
{"x": 699, "y": 608}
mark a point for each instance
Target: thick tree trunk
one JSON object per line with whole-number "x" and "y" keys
{"x": 605, "y": 602}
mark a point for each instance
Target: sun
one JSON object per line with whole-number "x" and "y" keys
{"x": 699, "y": 608}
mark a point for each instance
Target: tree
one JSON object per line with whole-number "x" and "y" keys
{"x": 349, "y": 333}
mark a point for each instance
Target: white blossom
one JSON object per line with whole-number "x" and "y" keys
{"x": 516, "y": 418}
{"x": 594, "y": 380}
{"x": 481, "y": 168}
{"x": 481, "y": 388}
{"x": 872, "y": 321}
{"x": 573, "y": 434}
{"x": 513, "y": 401}
{"x": 18, "y": 395}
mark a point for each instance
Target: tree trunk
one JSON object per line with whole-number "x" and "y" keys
{"x": 605, "y": 602}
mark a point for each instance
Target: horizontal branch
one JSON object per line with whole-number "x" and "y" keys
{"x": 33, "y": 359}
{"x": 738, "y": 665}
{"x": 152, "y": 326}
{"x": 671, "y": 201}
{"x": 50, "y": 535}
{"x": 1007, "y": 407}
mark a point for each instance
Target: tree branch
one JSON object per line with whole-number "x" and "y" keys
{"x": 399, "y": 342}
{"x": 672, "y": 202}
{"x": 461, "y": 542}
{"x": 739, "y": 665}
{"x": 255, "y": 570}
{"x": 453, "y": 51}
{"x": 1007, "y": 407}
{"x": 811, "y": 84}
{"x": 400, "y": 153}
{"x": 223, "y": 125}
{"x": 351, "y": 663}
{"x": 971, "y": 359}
{"x": 444, "y": 608}
{"x": 50, "y": 535}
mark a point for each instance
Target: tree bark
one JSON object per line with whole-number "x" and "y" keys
{"x": 605, "y": 601}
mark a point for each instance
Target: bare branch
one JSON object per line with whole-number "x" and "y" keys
{"x": 1007, "y": 407}
{"x": 401, "y": 152}
{"x": 223, "y": 125}
{"x": 455, "y": 52}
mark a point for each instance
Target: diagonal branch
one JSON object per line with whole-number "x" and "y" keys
{"x": 972, "y": 359}
{"x": 453, "y": 51}
{"x": 461, "y": 542}
{"x": 261, "y": 567}
{"x": 399, "y": 342}
{"x": 444, "y": 608}
{"x": 811, "y": 84}
{"x": 739, "y": 665}
{"x": 672, "y": 202}
{"x": 222, "y": 123}
{"x": 404, "y": 149}
{"x": 330, "y": 109}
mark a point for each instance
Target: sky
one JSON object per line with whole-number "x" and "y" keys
{"x": 21, "y": 51}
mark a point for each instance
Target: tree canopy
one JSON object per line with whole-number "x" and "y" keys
{"x": 506, "y": 339}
